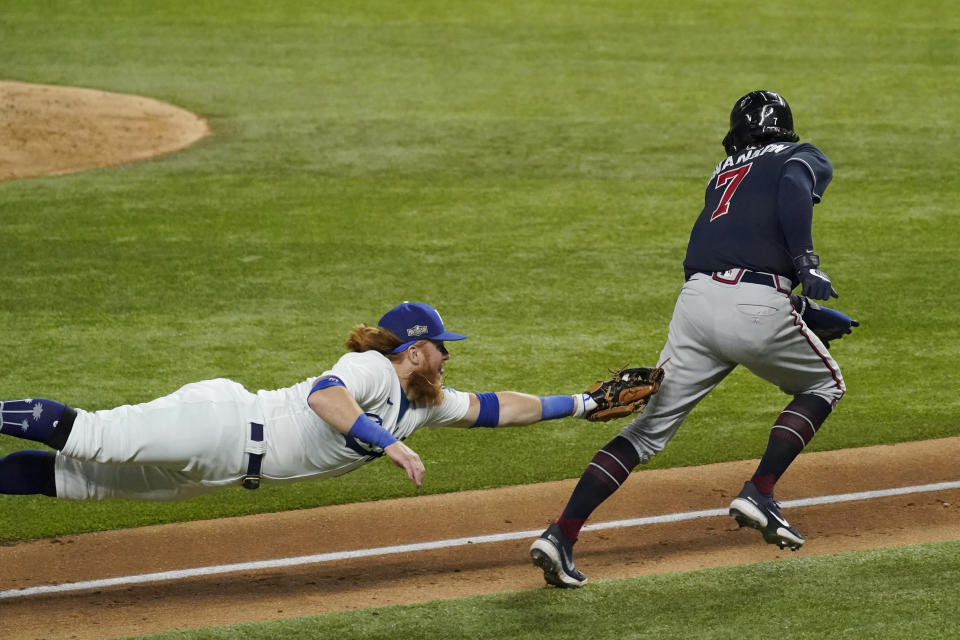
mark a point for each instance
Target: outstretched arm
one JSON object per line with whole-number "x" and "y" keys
{"x": 513, "y": 409}
{"x": 626, "y": 392}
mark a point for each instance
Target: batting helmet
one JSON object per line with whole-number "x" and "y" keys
{"x": 759, "y": 117}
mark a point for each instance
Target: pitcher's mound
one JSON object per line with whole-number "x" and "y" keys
{"x": 48, "y": 130}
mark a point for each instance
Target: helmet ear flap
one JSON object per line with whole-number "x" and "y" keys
{"x": 739, "y": 137}
{"x": 728, "y": 144}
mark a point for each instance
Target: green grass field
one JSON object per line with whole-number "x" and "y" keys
{"x": 532, "y": 169}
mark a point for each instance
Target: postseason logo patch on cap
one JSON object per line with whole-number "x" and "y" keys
{"x": 417, "y": 330}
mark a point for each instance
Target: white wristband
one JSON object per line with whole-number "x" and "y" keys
{"x": 583, "y": 404}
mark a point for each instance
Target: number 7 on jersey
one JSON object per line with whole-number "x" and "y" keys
{"x": 730, "y": 180}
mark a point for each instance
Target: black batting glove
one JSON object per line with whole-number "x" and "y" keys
{"x": 816, "y": 284}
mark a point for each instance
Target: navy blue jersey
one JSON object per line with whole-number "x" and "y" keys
{"x": 740, "y": 224}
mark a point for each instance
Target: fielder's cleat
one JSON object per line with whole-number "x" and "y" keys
{"x": 553, "y": 553}
{"x": 753, "y": 509}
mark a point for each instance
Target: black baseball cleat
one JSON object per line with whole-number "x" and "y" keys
{"x": 754, "y": 509}
{"x": 553, "y": 553}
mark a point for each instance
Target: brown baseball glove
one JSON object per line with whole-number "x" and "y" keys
{"x": 628, "y": 391}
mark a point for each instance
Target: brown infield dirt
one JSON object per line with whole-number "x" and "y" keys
{"x": 53, "y": 130}
{"x": 47, "y": 130}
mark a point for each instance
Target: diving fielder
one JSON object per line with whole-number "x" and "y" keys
{"x": 215, "y": 433}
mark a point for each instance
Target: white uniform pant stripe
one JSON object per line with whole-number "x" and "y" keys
{"x": 808, "y": 421}
{"x": 799, "y": 437}
{"x": 622, "y": 466}
{"x": 594, "y": 464}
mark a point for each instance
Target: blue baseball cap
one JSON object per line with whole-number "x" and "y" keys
{"x": 413, "y": 321}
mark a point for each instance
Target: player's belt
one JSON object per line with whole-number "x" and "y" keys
{"x": 255, "y": 448}
{"x": 735, "y": 276}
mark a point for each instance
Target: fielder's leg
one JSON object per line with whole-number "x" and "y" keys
{"x": 28, "y": 473}
{"x": 86, "y": 480}
{"x": 37, "y": 419}
{"x": 59, "y": 476}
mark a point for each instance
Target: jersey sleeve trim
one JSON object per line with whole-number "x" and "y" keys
{"x": 326, "y": 381}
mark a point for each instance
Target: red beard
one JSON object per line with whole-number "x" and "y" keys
{"x": 420, "y": 389}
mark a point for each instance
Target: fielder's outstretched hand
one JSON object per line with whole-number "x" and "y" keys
{"x": 408, "y": 460}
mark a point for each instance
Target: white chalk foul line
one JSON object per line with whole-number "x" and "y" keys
{"x": 441, "y": 544}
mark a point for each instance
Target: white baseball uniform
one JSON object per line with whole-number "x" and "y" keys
{"x": 198, "y": 438}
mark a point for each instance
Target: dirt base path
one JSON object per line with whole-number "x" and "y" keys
{"x": 465, "y": 569}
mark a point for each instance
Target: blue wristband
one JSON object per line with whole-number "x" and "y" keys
{"x": 556, "y": 407}
{"x": 367, "y": 430}
{"x": 489, "y": 415}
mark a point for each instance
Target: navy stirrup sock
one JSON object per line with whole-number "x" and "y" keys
{"x": 37, "y": 419}
{"x": 795, "y": 427}
{"x": 608, "y": 470}
{"x": 28, "y": 472}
